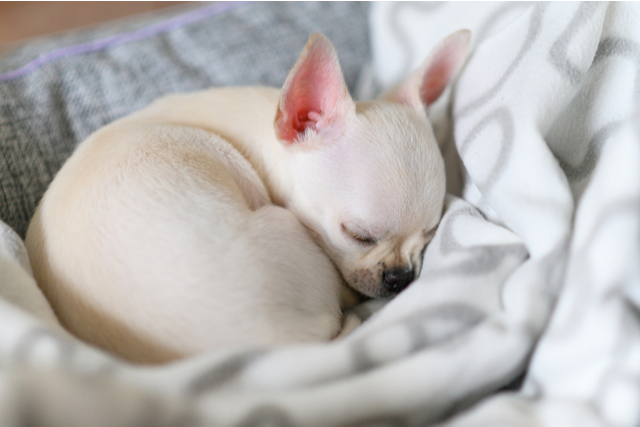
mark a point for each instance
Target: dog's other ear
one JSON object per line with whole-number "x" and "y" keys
{"x": 428, "y": 82}
{"x": 314, "y": 96}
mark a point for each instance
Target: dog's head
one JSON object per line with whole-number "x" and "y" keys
{"x": 367, "y": 179}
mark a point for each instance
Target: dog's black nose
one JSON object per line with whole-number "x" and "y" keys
{"x": 396, "y": 279}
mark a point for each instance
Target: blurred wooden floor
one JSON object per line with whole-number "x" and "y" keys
{"x": 24, "y": 20}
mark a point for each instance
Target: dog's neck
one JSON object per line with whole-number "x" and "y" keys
{"x": 242, "y": 116}
{"x": 255, "y": 139}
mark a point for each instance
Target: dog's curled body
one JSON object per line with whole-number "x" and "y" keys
{"x": 165, "y": 233}
{"x": 158, "y": 231}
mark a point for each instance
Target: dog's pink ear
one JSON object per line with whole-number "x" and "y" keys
{"x": 428, "y": 82}
{"x": 314, "y": 96}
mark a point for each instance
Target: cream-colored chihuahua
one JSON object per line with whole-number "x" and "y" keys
{"x": 198, "y": 222}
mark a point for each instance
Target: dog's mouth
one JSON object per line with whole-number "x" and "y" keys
{"x": 362, "y": 281}
{"x": 369, "y": 284}
{"x": 382, "y": 282}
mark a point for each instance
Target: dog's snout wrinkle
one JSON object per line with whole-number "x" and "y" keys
{"x": 397, "y": 279}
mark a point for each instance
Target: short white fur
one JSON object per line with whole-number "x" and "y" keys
{"x": 201, "y": 223}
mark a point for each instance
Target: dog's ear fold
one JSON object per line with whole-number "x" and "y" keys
{"x": 314, "y": 96}
{"x": 428, "y": 82}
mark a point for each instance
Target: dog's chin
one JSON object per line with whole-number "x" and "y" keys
{"x": 364, "y": 281}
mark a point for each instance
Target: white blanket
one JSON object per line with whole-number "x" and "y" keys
{"x": 527, "y": 311}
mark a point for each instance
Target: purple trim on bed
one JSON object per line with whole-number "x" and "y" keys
{"x": 97, "y": 45}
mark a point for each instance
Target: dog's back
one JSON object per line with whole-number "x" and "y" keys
{"x": 155, "y": 234}
{"x": 158, "y": 237}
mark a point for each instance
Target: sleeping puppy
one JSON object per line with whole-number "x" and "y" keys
{"x": 200, "y": 221}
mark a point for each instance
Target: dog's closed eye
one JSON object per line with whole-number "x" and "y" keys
{"x": 358, "y": 237}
